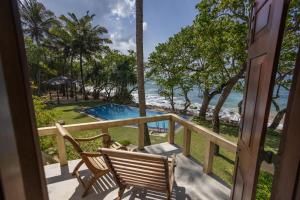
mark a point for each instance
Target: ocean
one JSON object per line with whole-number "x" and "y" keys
{"x": 229, "y": 110}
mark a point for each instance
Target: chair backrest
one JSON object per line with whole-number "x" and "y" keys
{"x": 138, "y": 169}
{"x": 66, "y": 135}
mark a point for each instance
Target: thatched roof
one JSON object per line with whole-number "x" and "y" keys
{"x": 60, "y": 80}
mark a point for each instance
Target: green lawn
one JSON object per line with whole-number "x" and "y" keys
{"x": 70, "y": 113}
{"x": 223, "y": 165}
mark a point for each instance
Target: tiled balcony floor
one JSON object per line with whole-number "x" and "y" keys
{"x": 191, "y": 182}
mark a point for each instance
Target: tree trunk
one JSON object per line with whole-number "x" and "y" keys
{"x": 277, "y": 119}
{"x": 71, "y": 71}
{"x": 204, "y": 106}
{"x": 172, "y": 100}
{"x": 187, "y": 102}
{"x": 224, "y": 95}
{"x": 240, "y": 106}
{"x": 38, "y": 71}
{"x": 82, "y": 78}
{"x": 39, "y": 81}
{"x": 140, "y": 65}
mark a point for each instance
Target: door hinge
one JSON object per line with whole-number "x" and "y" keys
{"x": 269, "y": 157}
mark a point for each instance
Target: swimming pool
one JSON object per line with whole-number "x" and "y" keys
{"x": 115, "y": 111}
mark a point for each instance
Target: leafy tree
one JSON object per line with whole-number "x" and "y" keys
{"x": 44, "y": 115}
{"x": 169, "y": 67}
{"x": 209, "y": 71}
{"x": 87, "y": 39}
{"x": 124, "y": 75}
{"x": 225, "y": 31}
{"x": 287, "y": 59}
{"x": 114, "y": 72}
{"x": 164, "y": 72}
{"x": 36, "y": 19}
{"x": 36, "y": 22}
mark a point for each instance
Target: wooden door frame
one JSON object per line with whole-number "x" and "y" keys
{"x": 21, "y": 168}
{"x": 285, "y": 184}
{"x": 266, "y": 32}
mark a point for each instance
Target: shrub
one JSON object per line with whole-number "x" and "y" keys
{"x": 264, "y": 186}
{"x": 44, "y": 115}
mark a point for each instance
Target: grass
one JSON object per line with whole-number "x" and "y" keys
{"x": 223, "y": 164}
{"x": 70, "y": 113}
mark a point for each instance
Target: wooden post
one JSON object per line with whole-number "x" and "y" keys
{"x": 171, "y": 131}
{"x": 61, "y": 148}
{"x": 209, "y": 157}
{"x": 141, "y": 136}
{"x": 186, "y": 141}
{"x": 104, "y": 130}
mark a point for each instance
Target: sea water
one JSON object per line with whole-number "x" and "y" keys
{"x": 229, "y": 110}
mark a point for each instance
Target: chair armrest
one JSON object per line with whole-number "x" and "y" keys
{"x": 90, "y": 154}
{"x": 172, "y": 160}
{"x": 89, "y": 138}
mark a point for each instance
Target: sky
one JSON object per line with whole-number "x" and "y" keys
{"x": 162, "y": 18}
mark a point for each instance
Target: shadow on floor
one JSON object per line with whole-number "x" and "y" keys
{"x": 106, "y": 189}
{"x": 191, "y": 182}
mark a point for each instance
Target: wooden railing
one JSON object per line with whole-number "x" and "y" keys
{"x": 189, "y": 127}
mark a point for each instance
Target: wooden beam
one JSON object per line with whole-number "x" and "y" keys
{"x": 186, "y": 141}
{"x": 101, "y": 124}
{"x": 104, "y": 129}
{"x": 209, "y": 157}
{"x": 189, "y": 126}
{"x": 141, "y": 142}
{"x": 171, "y": 131}
{"x": 61, "y": 148}
{"x": 208, "y": 133}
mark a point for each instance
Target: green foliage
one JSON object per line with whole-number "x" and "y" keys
{"x": 125, "y": 142}
{"x": 168, "y": 65}
{"x": 221, "y": 28}
{"x": 288, "y": 55}
{"x": 114, "y": 72}
{"x": 208, "y": 53}
{"x": 44, "y": 115}
{"x": 36, "y": 19}
{"x": 264, "y": 186}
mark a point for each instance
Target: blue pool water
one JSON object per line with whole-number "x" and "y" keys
{"x": 116, "y": 111}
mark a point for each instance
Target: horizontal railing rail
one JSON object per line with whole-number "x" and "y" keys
{"x": 211, "y": 138}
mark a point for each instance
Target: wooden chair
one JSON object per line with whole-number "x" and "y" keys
{"x": 153, "y": 172}
{"x": 93, "y": 160}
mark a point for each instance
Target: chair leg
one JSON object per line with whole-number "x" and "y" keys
{"x": 168, "y": 195}
{"x": 89, "y": 185}
{"x": 120, "y": 193}
{"x": 77, "y": 167}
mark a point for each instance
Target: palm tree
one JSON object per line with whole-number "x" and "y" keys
{"x": 87, "y": 39}
{"x": 36, "y": 19}
{"x": 140, "y": 65}
{"x": 36, "y": 22}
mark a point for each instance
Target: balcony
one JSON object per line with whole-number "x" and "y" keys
{"x": 193, "y": 180}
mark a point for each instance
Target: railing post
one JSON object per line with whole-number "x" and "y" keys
{"x": 104, "y": 130}
{"x": 141, "y": 136}
{"x": 61, "y": 148}
{"x": 186, "y": 141}
{"x": 171, "y": 131}
{"x": 209, "y": 157}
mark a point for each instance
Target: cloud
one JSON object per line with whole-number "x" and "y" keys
{"x": 123, "y": 8}
{"x": 118, "y": 16}
{"x": 145, "y": 26}
{"x": 121, "y": 43}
